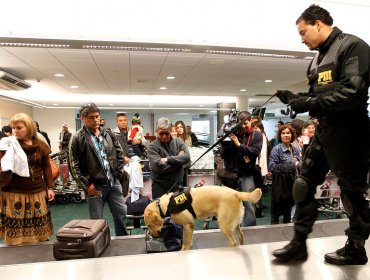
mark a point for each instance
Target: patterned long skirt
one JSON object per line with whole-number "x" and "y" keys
{"x": 24, "y": 218}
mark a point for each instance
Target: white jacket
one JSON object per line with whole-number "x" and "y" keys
{"x": 262, "y": 159}
{"x": 136, "y": 182}
{"x": 15, "y": 159}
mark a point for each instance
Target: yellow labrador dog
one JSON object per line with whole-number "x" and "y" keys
{"x": 184, "y": 207}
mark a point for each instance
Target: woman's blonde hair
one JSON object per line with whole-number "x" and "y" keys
{"x": 28, "y": 122}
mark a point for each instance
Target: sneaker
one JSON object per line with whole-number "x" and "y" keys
{"x": 294, "y": 251}
{"x": 350, "y": 254}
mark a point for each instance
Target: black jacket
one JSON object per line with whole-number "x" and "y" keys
{"x": 339, "y": 77}
{"x": 84, "y": 162}
{"x": 166, "y": 175}
{"x": 250, "y": 146}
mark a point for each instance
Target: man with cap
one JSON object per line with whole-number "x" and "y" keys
{"x": 136, "y": 135}
{"x": 64, "y": 138}
{"x": 240, "y": 156}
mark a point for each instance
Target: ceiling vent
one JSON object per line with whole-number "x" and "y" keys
{"x": 11, "y": 82}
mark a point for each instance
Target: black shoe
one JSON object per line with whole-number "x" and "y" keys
{"x": 294, "y": 251}
{"x": 351, "y": 254}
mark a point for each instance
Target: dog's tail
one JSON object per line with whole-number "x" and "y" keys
{"x": 250, "y": 196}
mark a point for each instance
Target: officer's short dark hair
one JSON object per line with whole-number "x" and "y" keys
{"x": 314, "y": 13}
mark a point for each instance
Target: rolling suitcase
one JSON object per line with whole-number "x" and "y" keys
{"x": 81, "y": 239}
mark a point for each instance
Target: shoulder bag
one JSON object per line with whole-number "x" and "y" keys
{"x": 54, "y": 169}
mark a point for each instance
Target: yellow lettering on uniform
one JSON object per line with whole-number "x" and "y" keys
{"x": 325, "y": 77}
{"x": 180, "y": 199}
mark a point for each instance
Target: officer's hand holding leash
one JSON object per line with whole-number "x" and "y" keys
{"x": 296, "y": 103}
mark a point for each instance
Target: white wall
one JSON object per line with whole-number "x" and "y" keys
{"x": 9, "y": 109}
{"x": 51, "y": 121}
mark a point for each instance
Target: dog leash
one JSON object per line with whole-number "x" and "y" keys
{"x": 210, "y": 148}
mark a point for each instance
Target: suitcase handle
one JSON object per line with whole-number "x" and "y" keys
{"x": 77, "y": 243}
{"x": 73, "y": 251}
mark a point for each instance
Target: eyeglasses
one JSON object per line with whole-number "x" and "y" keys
{"x": 164, "y": 133}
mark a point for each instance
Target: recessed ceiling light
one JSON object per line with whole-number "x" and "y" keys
{"x": 201, "y": 105}
{"x": 55, "y": 104}
{"x": 243, "y": 89}
{"x": 170, "y": 77}
{"x": 74, "y": 86}
{"x": 162, "y": 88}
{"x": 268, "y": 81}
{"x": 59, "y": 75}
{"x": 150, "y": 105}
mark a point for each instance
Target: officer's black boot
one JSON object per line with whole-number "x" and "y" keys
{"x": 352, "y": 253}
{"x": 295, "y": 250}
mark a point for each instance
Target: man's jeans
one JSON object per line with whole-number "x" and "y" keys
{"x": 114, "y": 197}
{"x": 246, "y": 184}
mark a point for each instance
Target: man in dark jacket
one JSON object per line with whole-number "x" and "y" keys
{"x": 240, "y": 156}
{"x": 339, "y": 81}
{"x": 96, "y": 163}
{"x": 167, "y": 159}
{"x": 43, "y": 133}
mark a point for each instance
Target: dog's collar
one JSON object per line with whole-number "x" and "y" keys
{"x": 158, "y": 203}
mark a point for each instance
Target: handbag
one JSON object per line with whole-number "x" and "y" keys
{"x": 137, "y": 207}
{"x": 228, "y": 178}
{"x": 169, "y": 239}
{"x": 54, "y": 170}
{"x": 125, "y": 180}
{"x": 5, "y": 178}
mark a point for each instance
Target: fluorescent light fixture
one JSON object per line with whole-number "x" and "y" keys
{"x": 128, "y": 48}
{"x": 268, "y": 81}
{"x": 5, "y": 44}
{"x": 162, "y": 88}
{"x": 59, "y": 75}
{"x": 170, "y": 77}
{"x": 243, "y": 89}
{"x": 74, "y": 87}
{"x": 110, "y": 104}
{"x": 55, "y": 104}
{"x": 225, "y": 52}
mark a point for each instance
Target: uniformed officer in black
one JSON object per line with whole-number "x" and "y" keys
{"x": 338, "y": 80}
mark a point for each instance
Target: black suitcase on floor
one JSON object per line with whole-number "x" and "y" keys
{"x": 80, "y": 239}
